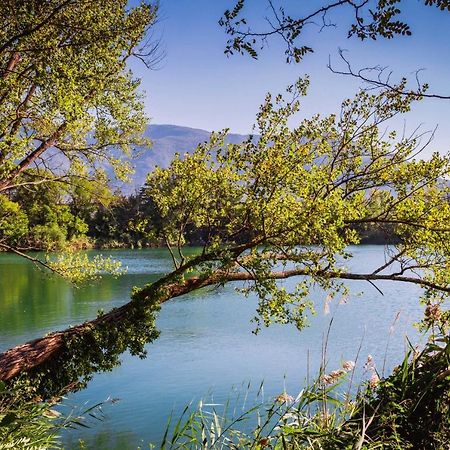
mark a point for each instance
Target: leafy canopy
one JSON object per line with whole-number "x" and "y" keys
{"x": 68, "y": 103}
{"x": 286, "y": 203}
{"x": 69, "y": 109}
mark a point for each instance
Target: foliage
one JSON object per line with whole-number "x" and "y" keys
{"x": 370, "y": 20}
{"x": 66, "y": 95}
{"x": 91, "y": 348}
{"x": 69, "y": 109}
{"x": 25, "y": 425}
{"x": 57, "y": 216}
{"x": 411, "y": 408}
{"x": 287, "y": 203}
{"x": 13, "y": 221}
{"x": 28, "y": 423}
{"x": 78, "y": 267}
{"x": 124, "y": 222}
{"x": 33, "y": 424}
{"x": 61, "y": 217}
{"x": 51, "y": 224}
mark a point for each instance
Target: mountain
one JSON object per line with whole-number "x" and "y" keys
{"x": 166, "y": 141}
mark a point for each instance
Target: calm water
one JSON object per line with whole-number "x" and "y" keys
{"x": 206, "y": 348}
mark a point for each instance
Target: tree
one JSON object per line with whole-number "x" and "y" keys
{"x": 278, "y": 206}
{"x": 68, "y": 104}
{"x": 124, "y": 222}
{"x": 51, "y": 223}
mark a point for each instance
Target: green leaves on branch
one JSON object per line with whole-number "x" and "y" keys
{"x": 370, "y": 19}
{"x": 13, "y": 221}
{"x": 69, "y": 110}
{"x": 67, "y": 100}
{"x": 288, "y": 201}
{"x": 78, "y": 267}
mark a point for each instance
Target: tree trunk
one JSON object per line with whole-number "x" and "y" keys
{"x": 34, "y": 354}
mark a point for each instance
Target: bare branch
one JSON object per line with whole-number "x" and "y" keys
{"x": 382, "y": 80}
{"x": 36, "y": 261}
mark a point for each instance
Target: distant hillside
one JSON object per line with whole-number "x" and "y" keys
{"x": 168, "y": 140}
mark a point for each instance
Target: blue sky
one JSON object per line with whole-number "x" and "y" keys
{"x": 196, "y": 85}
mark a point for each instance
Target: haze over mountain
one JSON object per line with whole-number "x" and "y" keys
{"x": 166, "y": 141}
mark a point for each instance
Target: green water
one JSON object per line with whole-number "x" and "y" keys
{"x": 206, "y": 348}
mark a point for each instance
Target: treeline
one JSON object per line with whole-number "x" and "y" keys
{"x": 73, "y": 214}
{"x": 80, "y": 215}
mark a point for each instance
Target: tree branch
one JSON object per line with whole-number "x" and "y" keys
{"x": 29, "y": 159}
{"x": 37, "y": 261}
{"x": 382, "y": 80}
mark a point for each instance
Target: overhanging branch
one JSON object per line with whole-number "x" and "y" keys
{"x": 35, "y": 354}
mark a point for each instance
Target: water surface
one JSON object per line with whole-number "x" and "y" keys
{"x": 206, "y": 348}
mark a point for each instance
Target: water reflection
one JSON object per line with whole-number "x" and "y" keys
{"x": 33, "y": 302}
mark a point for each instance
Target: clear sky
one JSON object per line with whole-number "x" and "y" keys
{"x": 196, "y": 85}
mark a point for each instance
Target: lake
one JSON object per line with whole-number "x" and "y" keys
{"x": 206, "y": 348}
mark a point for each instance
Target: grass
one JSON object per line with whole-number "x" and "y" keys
{"x": 33, "y": 424}
{"x": 409, "y": 409}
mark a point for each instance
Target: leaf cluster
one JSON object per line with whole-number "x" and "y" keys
{"x": 68, "y": 103}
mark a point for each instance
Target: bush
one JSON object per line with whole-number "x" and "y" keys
{"x": 26, "y": 424}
